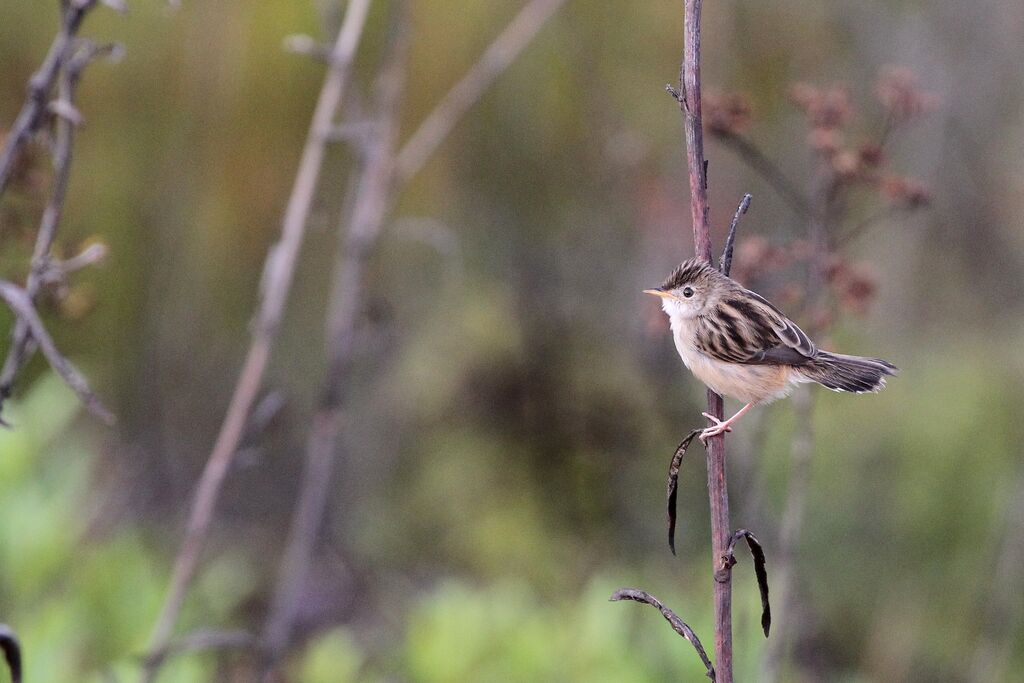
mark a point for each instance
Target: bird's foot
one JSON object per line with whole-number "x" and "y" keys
{"x": 720, "y": 427}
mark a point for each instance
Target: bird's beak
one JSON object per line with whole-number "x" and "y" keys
{"x": 658, "y": 292}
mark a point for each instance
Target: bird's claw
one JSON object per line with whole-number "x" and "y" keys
{"x": 719, "y": 427}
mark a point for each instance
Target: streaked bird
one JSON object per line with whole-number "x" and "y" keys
{"x": 741, "y": 346}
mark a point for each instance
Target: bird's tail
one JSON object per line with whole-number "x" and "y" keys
{"x": 839, "y": 372}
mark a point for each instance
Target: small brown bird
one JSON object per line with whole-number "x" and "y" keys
{"x": 742, "y": 346}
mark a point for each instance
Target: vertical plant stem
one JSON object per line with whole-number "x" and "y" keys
{"x": 718, "y": 494}
{"x": 499, "y": 55}
{"x": 802, "y": 446}
{"x": 369, "y": 211}
{"x": 277, "y": 278}
{"x": 1004, "y": 613}
{"x": 30, "y": 118}
{"x": 801, "y": 450}
{"x": 384, "y": 171}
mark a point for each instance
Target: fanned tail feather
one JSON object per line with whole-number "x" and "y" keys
{"x": 840, "y": 372}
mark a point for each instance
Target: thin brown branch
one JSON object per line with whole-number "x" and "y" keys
{"x": 760, "y": 571}
{"x": 757, "y": 160}
{"x": 43, "y": 268}
{"x": 678, "y": 625}
{"x": 369, "y": 210}
{"x": 454, "y": 105}
{"x": 382, "y": 173}
{"x": 690, "y": 105}
{"x": 718, "y": 494}
{"x": 820, "y": 224}
{"x": 785, "y": 563}
{"x": 867, "y": 223}
{"x": 32, "y": 117}
{"x": 673, "y": 485}
{"x": 205, "y": 640}
{"x": 1004, "y": 611}
{"x": 21, "y": 305}
{"x": 277, "y": 279}
{"x": 725, "y": 263}
{"x": 12, "y": 652}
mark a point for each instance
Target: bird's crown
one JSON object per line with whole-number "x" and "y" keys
{"x": 689, "y": 271}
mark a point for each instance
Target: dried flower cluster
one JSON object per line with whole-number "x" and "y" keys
{"x": 830, "y": 114}
{"x": 846, "y": 159}
{"x": 726, "y": 113}
{"x": 898, "y": 92}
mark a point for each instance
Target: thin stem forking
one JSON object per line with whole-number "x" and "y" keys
{"x": 278, "y": 274}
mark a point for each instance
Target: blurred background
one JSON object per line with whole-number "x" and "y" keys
{"x": 514, "y": 399}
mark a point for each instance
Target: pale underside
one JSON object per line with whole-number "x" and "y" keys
{"x": 745, "y": 382}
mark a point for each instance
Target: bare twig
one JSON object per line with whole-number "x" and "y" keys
{"x": 766, "y": 168}
{"x": 673, "y": 483}
{"x": 725, "y": 263}
{"x": 1004, "y": 613}
{"x": 278, "y": 273}
{"x": 369, "y": 211}
{"x": 678, "y": 625}
{"x": 382, "y": 174}
{"x": 757, "y": 552}
{"x": 74, "y": 61}
{"x": 12, "y": 651}
{"x": 499, "y": 55}
{"x": 31, "y": 117}
{"x": 820, "y": 223}
{"x": 204, "y": 640}
{"x": 867, "y": 223}
{"x": 21, "y": 305}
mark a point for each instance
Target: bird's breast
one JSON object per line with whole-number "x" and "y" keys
{"x": 748, "y": 383}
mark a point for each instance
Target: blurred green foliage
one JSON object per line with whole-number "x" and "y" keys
{"x": 517, "y": 400}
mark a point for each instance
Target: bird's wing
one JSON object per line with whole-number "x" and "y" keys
{"x": 747, "y": 328}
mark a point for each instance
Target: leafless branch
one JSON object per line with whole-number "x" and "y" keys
{"x": 820, "y": 222}
{"x": 204, "y": 640}
{"x": 381, "y": 176}
{"x": 12, "y": 651}
{"x": 453, "y": 106}
{"x": 1004, "y": 613}
{"x": 757, "y": 552}
{"x": 278, "y": 273}
{"x": 725, "y": 263}
{"x": 869, "y": 222}
{"x": 766, "y": 168}
{"x": 277, "y": 280}
{"x": 678, "y": 625}
{"x": 371, "y": 202}
{"x": 77, "y": 55}
{"x": 32, "y": 117}
{"x": 673, "y": 483}
{"x": 21, "y": 305}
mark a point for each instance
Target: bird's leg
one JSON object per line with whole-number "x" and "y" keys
{"x": 721, "y": 426}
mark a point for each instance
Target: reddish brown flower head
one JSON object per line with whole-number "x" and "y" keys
{"x": 726, "y": 113}
{"x": 757, "y": 257}
{"x": 854, "y": 285}
{"x": 846, "y": 164}
{"x": 899, "y": 93}
{"x": 905, "y": 191}
{"x": 826, "y": 108}
{"x": 871, "y": 155}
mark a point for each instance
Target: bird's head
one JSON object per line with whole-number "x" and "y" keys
{"x": 688, "y": 290}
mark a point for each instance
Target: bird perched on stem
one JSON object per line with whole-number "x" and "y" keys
{"x": 741, "y": 346}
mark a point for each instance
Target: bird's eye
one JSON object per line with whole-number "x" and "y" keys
{"x": 687, "y": 292}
